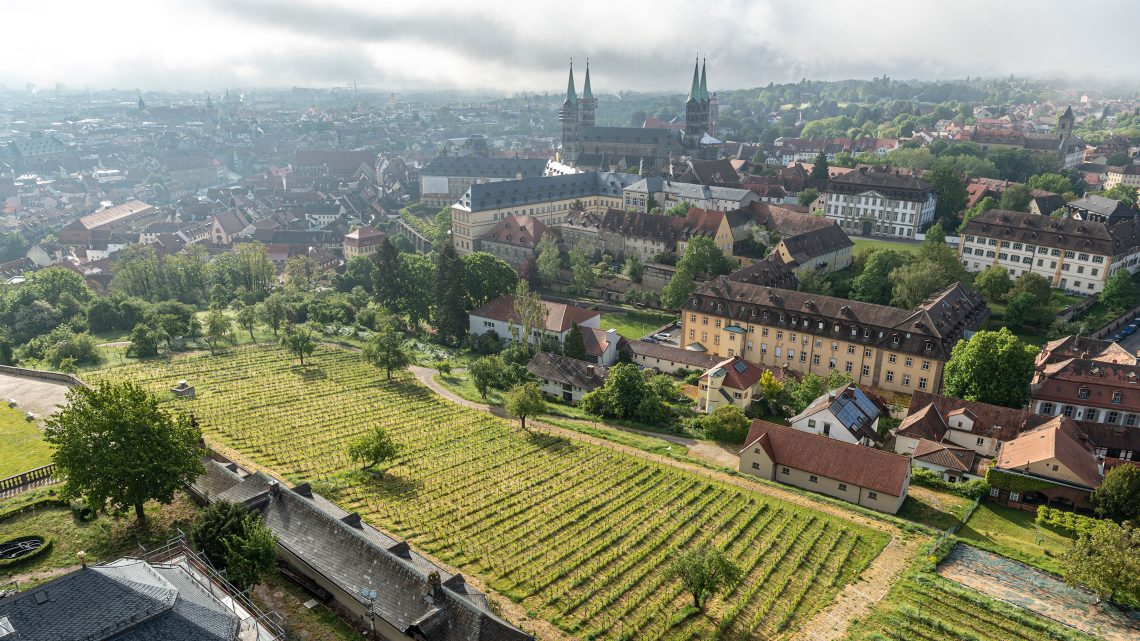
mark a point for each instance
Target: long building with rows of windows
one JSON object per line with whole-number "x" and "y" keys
{"x": 879, "y": 346}
{"x": 879, "y": 202}
{"x": 1074, "y": 255}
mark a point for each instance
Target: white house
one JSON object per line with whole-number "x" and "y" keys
{"x": 729, "y": 382}
{"x": 566, "y": 379}
{"x": 952, "y": 463}
{"x": 601, "y": 347}
{"x": 844, "y": 414}
{"x": 499, "y": 316}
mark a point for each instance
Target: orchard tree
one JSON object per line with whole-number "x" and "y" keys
{"x": 1118, "y": 497}
{"x": 485, "y": 373}
{"x": 218, "y": 327}
{"x": 873, "y": 284}
{"x": 115, "y": 446}
{"x": 145, "y": 338}
{"x": 704, "y": 571}
{"x": 298, "y": 339}
{"x": 532, "y": 313}
{"x": 247, "y": 319}
{"x": 1107, "y": 561}
{"x": 385, "y": 350}
{"x": 524, "y": 400}
{"x": 372, "y": 449}
{"x": 271, "y": 312}
{"x": 991, "y": 367}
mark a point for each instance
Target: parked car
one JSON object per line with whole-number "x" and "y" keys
{"x": 1117, "y": 338}
{"x": 1128, "y": 331}
{"x": 648, "y": 339}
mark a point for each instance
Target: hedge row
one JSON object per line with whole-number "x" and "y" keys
{"x": 970, "y": 489}
{"x": 1070, "y": 522}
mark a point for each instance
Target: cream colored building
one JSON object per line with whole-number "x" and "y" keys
{"x": 1126, "y": 175}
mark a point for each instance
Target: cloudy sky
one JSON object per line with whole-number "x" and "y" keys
{"x": 525, "y": 45}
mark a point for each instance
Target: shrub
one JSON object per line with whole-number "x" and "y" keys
{"x": 1068, "y": 522}
{"x": 972, "y": 490}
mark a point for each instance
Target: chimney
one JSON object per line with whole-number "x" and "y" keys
{"x": 435, "y": 586}
{"x": 590, "y": 370}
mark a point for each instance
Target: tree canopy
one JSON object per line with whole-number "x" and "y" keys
{"x": 704, "y": 571}
{"x": 1118, "y": 497}
{"x": 373, "y": 448}
{"x": 524, "y": 400}
{"x": 991, "y": 367}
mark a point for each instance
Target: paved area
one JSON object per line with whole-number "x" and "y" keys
{"x": 41, "y": 397}
{"x": 1039, "y": 592}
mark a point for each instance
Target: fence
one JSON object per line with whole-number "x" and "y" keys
{"x": 1116, "y": 323}
{"x": 42, "y": 374}
{"x": 18, "y": 483}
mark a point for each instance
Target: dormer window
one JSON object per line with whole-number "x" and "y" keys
{"x": 1116, "y": 396}
{"x": 1083, "y": 392}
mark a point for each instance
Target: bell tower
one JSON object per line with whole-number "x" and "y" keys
{"x": 568, "y": 116}
{"x": 587, "y": 104}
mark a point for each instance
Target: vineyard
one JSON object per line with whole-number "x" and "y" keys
{"x": 926, "y": 607}
{"x": 578, "y": 534}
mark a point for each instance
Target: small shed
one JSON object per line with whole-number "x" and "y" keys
{"x": 183, "y": 390}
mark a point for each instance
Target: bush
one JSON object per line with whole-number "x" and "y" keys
{"x": 726, "y": 423}
{"x": 8, "y": 564}
{"x": 1067, "y": 522}
{"x": 972, "y": 490}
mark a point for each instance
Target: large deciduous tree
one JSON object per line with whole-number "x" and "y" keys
{"x": 873, "y": 284}
{"x": 524, "y": 400}
{"x": 1119, "y": 291}
{"x": 991, "y": 367}
{"x": 704, "y": 571}
{"x": 993, "y": 282}
{"x": 385, "y": 350}
{"x": 549, "y": 258}
{"x": 1107, "y": 561}
{"x": 486, "y": 277}
{"x": 951, "y": 191}
{"x": 115, "y": 446}
{"x": 1118, "y": 497}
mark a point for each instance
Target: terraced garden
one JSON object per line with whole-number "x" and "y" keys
{"x": 578, "y": 534}
{"x": 925, "y": 607}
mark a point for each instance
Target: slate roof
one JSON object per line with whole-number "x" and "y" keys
{"x": 891, "y": 184}
{"x": 477, "y": 166}
{"x": 785, "y": 220}
{"x": 531, "y": 191}
{"x": 873, "y": 469}
{"x": 1113, "y": 210}
{"x": 635, "y": 135}
{"x": 767, "y": 272}
{"x": 1061, "y": 233}
{"x": 931, "y": 329}
{"x": 558, "y": 315}
{"x": 572, "y": 371}
{"x": 1071, "y": 346}
{"x": 126, "y": 600}
{"x": 806, "y": 247}
{"x": 698, "y": 360}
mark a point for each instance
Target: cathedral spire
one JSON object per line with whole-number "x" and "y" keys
{"x": 704, "y": 85}
{"x": 586, "y": 93}
{"x": 571, "y": 95}
{"x": 695, "y": 90}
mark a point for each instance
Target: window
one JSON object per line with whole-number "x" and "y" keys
{"x": 867, "y": 352}
{"x": 892, "y": 358}
{"x": 834, "y": 346}
{"x": 692, "y": 318}
{"x": 1090, "y": 415}
{"x": 1098, "y": 259}
{"x": 763, "y": 348}
{"x": 848, "y": 367}
{"x": 890, "y": 376}
{"x": 827, "y": 429}
{"x": 1130, "y": 419}
{"x": 778, "y": 352}
{"x": 1083, "y": 257}
{"x": 1111, "y": 417}
{"x": 813, "y": 478}
{"x": 779, "y": 336}
{"x": 872, "y": 495}
{"x": 921, "y": 383}
{"x": 1069, "y": 254}
{"x": 704, "y": 320}
{"x": 736, "y": 395}
{"x": 850, "y": 349}
{"x": 1067, "y": 411}
{"x": 1083, "y": 392}
{"x": 755, "y": 466}
{"x": 1003, "y": 256}
{"x": 803, "y": 356}
{"x": 815, "y": 359}
{"x": 791, "y": 354}
{"x": 784, "y": 470}
{"x": 831, "y": 363}
{"x": 1015, "y": 496}
{"x": 1047, "y": 408}
{"x": 909, "y": 362}
{"x": 925, "y": 365}
{"x": 811, "y": 422}
{"x": 1116, "y": 398}
{"x": 842, "y": 487}
{"x": 692, "y": 334}
{"x": 906, "y": 379}
{"x": 763, "y": 331}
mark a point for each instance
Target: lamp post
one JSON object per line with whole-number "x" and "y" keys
{"x": 370, "y": 595}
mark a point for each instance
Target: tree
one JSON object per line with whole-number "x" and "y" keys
{"x": 815, "y": 282}
{"x": 807, "y": 196}
{"x": 385, "y": 350}
{"x": 726, "y": 423}
{"x": 271, "y": 311}
{"x": 219, "y": 522}
{"x": 633, "y": 269}
{"x": 771, "y": 388}
{"x": 819, "y": 168}
{"x": 704, "y": 571}
{"x": 6, "y": 356}
{"x": 993, "y": 282}
{"x": 373, "y": 448}
{"x": 144, "y": 341}
{"x": 1119, "y": 159}
{"x": 1124, "y": 193}
{"x": 1024, "y": 310}
{"x": 1016, "y": 198}
{"x": 116, "y": 446}
{"x": 251, "y": 554}
{"x": 935, "y": 236}
{"x": 582, "y": 274}
{"x": 626, "y": 395}
{"x": 574, "y": 345}
{"x": 991, "y": 367}
{"x": 549, "y": 258}
{"x": 360, "y": 271}
{"x": 301, "y": 273}
{"x": 681, "y": 209}
{"x": 385, "y": 280}
{"x": 532, "y": 314}
{"x": 1119, "y": 291}
{"x": 524, "y": 400}
{"x": 982, "y": 206}
{"x": 1107, "y": 561}
{"x": 298, "y": 339}
{"x": 1033, "y": 284}
{"x": 873, "y": 284}
{"x": 485, "y": 372}
{"x": 679, "y": 287}
{"x": 247, "y": 319}
{"x": 450, "y": 314}
{"x": 1118, "y": 497}
{"x": 417, "y": 283}
{"x": 1054, "y": 183}
{"x": 912, "y": 283}
{"x": 218, "y": 327}
{"x": 950, "y": 189}
{"x": 486, "y": 278}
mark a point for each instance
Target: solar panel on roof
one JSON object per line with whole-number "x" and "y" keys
{"x": 865, "y": 404}
{"x": 849, "y": 415}
{"x": 740, "y": 367}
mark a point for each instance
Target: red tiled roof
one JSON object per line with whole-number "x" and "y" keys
{"x": 863, "y": 466}
{"x": 738, "y": 373}
{"x": 597, "y": 341}
{"x": 519, "y": 231}
{"x": 1060, "y": 438}
{"x": 558, "y": 315}
{"x": 948, "y": 456}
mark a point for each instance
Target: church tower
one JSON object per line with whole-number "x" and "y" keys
{"x": 568, "y": 116}
{"x": 587, "y": 104}
{"x": 1065, "y": 124}
{"x": 697, "y": 111}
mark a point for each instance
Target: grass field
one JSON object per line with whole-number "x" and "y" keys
{"x": 940, "y": 510}
{"x": 927, "y": 607}
{"x": 875, "y": 243}
{"x": 22, "y": 445}
{"x": 581, "y": 535}
{"x": 634, "y": 325}
{"x": 1014, "y": 534}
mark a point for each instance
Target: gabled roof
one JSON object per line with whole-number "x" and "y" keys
{"x": 1058, "y": 439}
{"x": 866, "y": 467}
{"x": 806, "y": 247}
{"x": 571, "y": 371}
{"x": 697, "y": 360}
{"x": 598, "y": 341}
{"x": 892, "y": 184}
{"x": 850, "y": 406}
{"x": 519, "y": 231}
{"x": 528, "y": 191}
{"x": 478, "y": 166}
{"x": 950, "y": 457}
{"x": 992, "y": 421}
{"x": 923, "y": 423}
{"x": 558, "y": 315}
{"x": 737, "y": 372}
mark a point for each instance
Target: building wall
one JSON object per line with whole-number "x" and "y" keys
{"x": 351, "y": 251}
{"x": 468, "y": 227}
{"x": 946, "y": 474}
{"x": 664, "y": 365}
{"x": 477, "y": 325}
{"x": 824, "y": 423}
{"x": 1085, "y": 409}
{"x": 514, "y": 255}
{"x": 710, "y": 398}
{"x": 832, "y": 261}
{"x": 1064, "y": 269}
{"x": 1113, "y": 179}
{"x": 754, "y": 460}
{"x": 887, "y": 217}
{"x": 769, "y": 347}
{"x": 557, "y": 390}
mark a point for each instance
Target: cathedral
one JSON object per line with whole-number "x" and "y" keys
{"x": 635, "y": 149}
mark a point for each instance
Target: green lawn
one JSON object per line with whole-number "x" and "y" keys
{"x": 634, "y": 325}
{"x": 865, "y": 243}
{"x": 1013, "y": 533}
{"x": 939, "y": 510}
{"x": 22, "y": 446}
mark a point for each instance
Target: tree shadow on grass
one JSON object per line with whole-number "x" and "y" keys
{"x": 551, "y": 443}
{"x": 310, "y": 373}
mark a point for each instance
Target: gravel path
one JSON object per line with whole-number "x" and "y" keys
{"x": 853, "y": 602}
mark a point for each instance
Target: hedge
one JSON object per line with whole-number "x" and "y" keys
{"x": 970, "y": 489}
{"x": 1068, "y": 522}
{"x": 38, "y": 552}
{"x": 1015, "y": 482}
